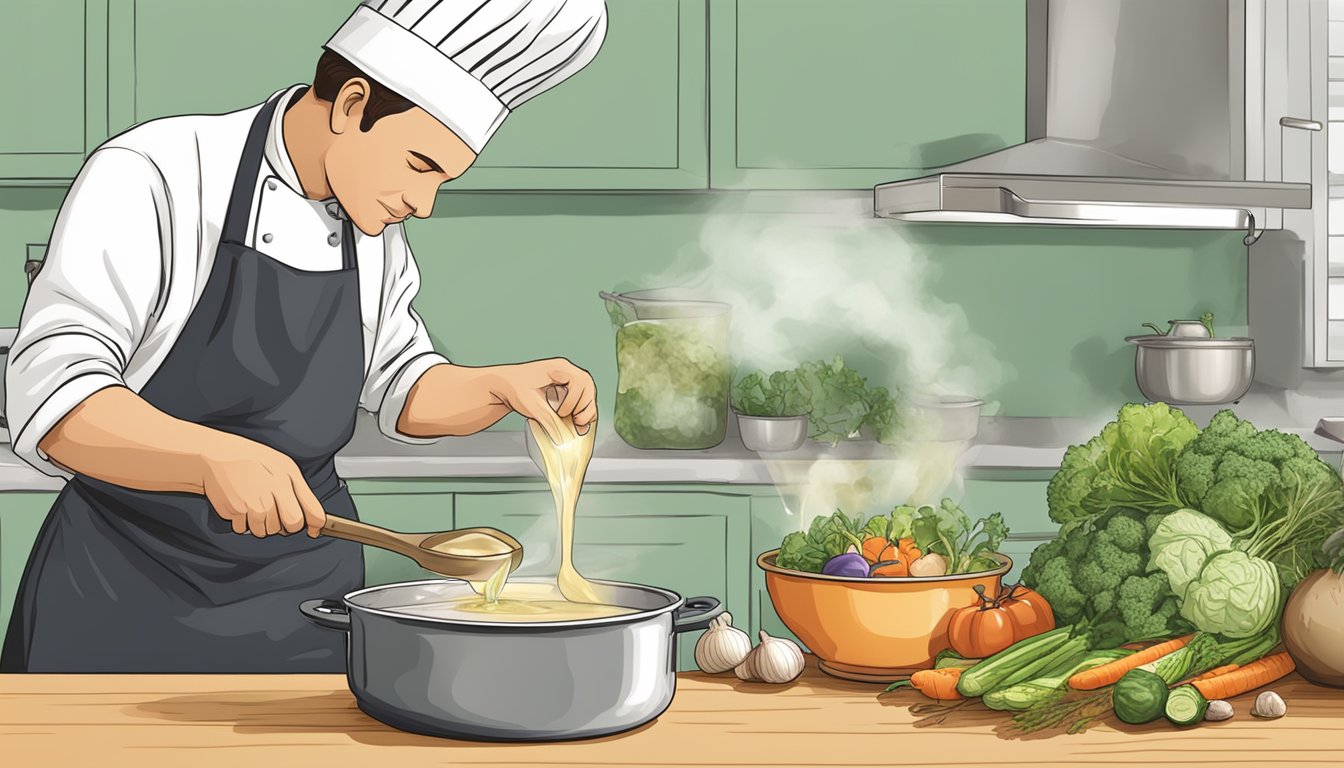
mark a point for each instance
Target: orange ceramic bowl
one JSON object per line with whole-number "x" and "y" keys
{"x": 873, "y": 629}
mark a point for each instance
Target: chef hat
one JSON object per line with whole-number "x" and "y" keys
{"x": 468, "y": 62}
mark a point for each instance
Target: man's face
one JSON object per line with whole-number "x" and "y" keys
{"x": 393, "y": 170}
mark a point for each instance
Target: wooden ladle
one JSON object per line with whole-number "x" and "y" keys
{"x": 473, "y": 554}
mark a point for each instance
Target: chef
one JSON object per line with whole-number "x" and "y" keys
{"x": 220, "y": 295}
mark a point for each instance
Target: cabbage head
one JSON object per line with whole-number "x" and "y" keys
{"x": 1183, "y": 542}
{"x": 1235, "y": 595}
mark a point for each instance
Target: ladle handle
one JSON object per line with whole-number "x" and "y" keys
{"x": 363, "y": 533}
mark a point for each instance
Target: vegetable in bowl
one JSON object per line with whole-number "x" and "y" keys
{"x": 909, "y": 541}
{"x": 837, "y": 400}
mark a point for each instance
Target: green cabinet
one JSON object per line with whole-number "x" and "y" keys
{"x": 21, "y": 517}
{"x": 55, "y": 105}
{"x": 684, "y": 94}
{"x": 1022, "y": 501}
{"x": 635, "y": 118}
{"x": 771, "y": 521}
{"x": 168, "y": 57}
{"x": 851, "y": 93}
{"x": 692, "y": 542}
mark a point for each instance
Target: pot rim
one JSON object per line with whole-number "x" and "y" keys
{"x": 1006, "y": 565}
{"x": 1152, "y": 341}
{"x": 740, "y": 415}
{"x": 946, "y": 402}
{"x": 675, "y": 602}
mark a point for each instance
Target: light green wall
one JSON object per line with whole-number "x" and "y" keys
{"x": 515, "y": 276}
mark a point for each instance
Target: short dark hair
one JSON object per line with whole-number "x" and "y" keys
{"x": 334, "y": 71}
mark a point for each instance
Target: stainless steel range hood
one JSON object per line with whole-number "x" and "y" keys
{"x": 1140, "y": 113}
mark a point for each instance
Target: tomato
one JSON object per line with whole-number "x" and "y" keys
{"x": 980, "y": 631}
{"x": 1030, "y": 612}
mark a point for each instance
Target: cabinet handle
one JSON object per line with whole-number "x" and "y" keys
{"x": 1300, "y": 123}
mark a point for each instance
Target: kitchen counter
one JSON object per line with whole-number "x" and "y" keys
{"x": 303, "y": 720}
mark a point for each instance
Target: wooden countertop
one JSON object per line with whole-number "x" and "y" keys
{"x": 311, "y": 720}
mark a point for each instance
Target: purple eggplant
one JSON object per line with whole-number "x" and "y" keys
{"x": 848, "y": 564}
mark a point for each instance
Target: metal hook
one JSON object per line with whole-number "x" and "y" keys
{"x": 1251, "y": 235}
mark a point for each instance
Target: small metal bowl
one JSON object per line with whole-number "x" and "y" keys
{"x": 767, "y": 434}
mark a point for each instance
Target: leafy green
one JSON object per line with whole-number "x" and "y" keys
{"x": 1268, "y": 488}
{"x": 1207, "y": 320}
{"x": 673, "y": 383}
{"x": 1093, "y": 574}
{"x": 839, "y": 399}
{"x": 1130, "y": 465}
{"x": 1333, "y": 550}
{"x": 1182, "y": 543}
{"x": 825, "y": 538}
{"x": 894, "y": 527}
{"x": 779, "y": 394}
{"x": 1235, "y": 595}
{"x": 947, "y": 530}
{"x": 835, "y": 397}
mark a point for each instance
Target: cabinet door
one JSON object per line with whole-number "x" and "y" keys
{"x": 771, "y": 521}
{"x": 693, "y": 543}
{"x": 55, "y": 106}
{"x": 1022, "y": 502}
{"x": 633, "y": 119}
{"x": 168, "y": 57}
{"x": 407, "y": 512}
{"x": 850, "y": 93}
{"x": 21, "y": 516}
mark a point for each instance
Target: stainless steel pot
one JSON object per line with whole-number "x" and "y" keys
{"x": 501, "y": 681}
{"x": 1193, "y": 370}
{"x": 948, "y": 418}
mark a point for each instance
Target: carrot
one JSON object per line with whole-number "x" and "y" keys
{"x": 878, "y": 548}
{"x": 1216, "y": 671}
{"x": 1247, "y": 677}
{"x": 907, "y": 552}
{"x": 1107, "y": 674}
{"x": 938, "y": 684}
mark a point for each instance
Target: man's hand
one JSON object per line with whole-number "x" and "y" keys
{"x": 523, "y": 388}
{"x": 258, "y": 489}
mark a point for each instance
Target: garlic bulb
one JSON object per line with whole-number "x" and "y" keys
{"x": 775, "y": 660}
{"x": 1269, "y": 704}
{"x": 746, "y": 671}
{"x": 1218, "y": 710}
{"x": 722, "y": 646}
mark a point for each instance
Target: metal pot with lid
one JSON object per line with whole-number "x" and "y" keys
{"x": 497, "y": 680}
{"x": 1188, "y": 365}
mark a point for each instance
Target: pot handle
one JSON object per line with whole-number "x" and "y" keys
{"x": 695, "y": 614}
{"x": 326, "y": 613}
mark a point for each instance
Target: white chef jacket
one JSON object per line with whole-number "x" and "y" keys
{"x": 132, "y": 249}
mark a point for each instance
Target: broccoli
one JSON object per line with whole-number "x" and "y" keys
{"x": 1131, "y": 464}
{"x": 1267, "y": 487}
{"x": 1094, "y": 574}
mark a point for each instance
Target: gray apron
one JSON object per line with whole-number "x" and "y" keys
{"x": 122, "y": 580}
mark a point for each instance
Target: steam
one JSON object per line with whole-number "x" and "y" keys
{"x": 810, "y": 284}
